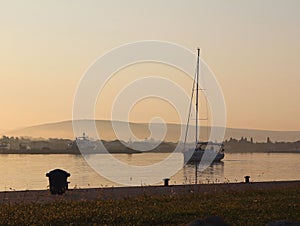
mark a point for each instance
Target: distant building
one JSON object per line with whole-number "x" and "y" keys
{"x": 4, "y": 146}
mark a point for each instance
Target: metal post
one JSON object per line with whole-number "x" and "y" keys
{"x": 196, "y": 173}
{"x": 197, "y": 91}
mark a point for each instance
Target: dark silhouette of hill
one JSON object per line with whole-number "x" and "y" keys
{"x": 141, "y": 130}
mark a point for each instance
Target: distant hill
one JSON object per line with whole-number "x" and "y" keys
{"x": 65, "y": 130}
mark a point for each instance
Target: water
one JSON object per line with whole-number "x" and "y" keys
{"x": 22, "y": 172}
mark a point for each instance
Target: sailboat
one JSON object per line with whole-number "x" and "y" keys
{"x": 214, "y": 149}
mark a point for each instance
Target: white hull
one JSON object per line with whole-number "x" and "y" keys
{"x": 195, "y": 155}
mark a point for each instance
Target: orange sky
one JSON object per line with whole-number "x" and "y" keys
{"x": 253, "y": 48}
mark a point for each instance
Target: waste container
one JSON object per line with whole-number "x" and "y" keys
{"x": 58, "y": 181}
{"x": 247, "y": 179}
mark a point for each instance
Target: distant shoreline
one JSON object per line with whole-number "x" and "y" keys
{"x": 60, "y": 152}
{"x": 15, "y": 145}
{"x": 72, "y": 152}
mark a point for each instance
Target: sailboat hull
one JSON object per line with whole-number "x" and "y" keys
{"x": 195, "y": 155}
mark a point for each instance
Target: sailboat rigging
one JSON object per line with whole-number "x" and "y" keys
{"x": 214, "y": 148}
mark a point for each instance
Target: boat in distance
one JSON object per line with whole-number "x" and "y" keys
{"x": 213, "y": 151}
{"x": 83, "y": 143}
{"x": 196, "y": 154}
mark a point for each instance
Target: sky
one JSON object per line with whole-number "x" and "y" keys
{"x": 252, "y": 47}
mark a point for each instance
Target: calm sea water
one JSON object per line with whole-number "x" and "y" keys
{"x": 22, "y": 172}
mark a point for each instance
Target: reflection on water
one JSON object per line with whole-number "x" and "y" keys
{"x": 213, "y": 174}
{"x": 20, "y": 172}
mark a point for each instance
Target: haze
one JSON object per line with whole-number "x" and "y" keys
{"x": 253, "y": 48}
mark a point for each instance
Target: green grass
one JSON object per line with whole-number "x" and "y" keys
{"x": 237, "y": 208}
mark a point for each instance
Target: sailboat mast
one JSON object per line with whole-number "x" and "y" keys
{"x": 197, "y": 91}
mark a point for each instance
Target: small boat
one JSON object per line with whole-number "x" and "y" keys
{"x": 24, "y": 147}
{"x": 214, "y": 149}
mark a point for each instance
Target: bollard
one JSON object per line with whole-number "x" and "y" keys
{"x": 166, "y": 182}
{"x": 58, "y": 181}
{"x": 247, "y": 179}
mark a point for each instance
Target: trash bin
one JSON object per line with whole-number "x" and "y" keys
{"x": 247, "y": 179}
{"x": 166, "y": 182}
{"x": 58, "y": 181}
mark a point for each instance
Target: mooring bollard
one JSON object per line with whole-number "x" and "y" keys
{"x": 58, "y": 181}
{"x": 166, "y": 182}
{"x": 247, "y": 179}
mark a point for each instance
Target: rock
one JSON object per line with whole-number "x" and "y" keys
{"x": 283, "y": 223}
{"x": 197, "y": 222}
{"x": 209, "y": 221}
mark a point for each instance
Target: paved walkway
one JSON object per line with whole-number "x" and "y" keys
{"x": 44, "y": 196}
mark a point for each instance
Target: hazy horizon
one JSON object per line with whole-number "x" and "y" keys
{"x": 252, "y": 47}
{"x": 141, "y": 131}
{"x": 2, "y": 131}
